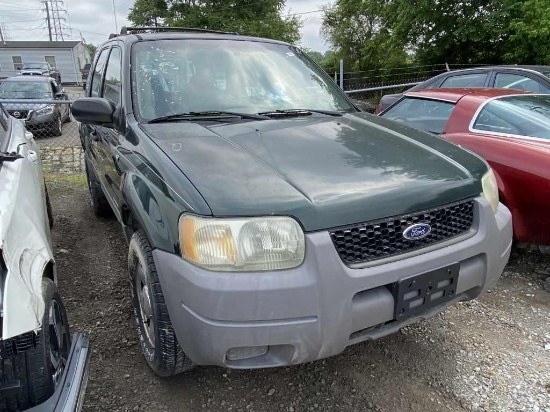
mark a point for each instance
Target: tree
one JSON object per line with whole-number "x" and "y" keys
{"x": 91, "y": 49}
{"x": 251, "y": 17}
{"x": 529, "y": 39}
{"x": 147, "y": 13}
{"x": 370, "y": 34}
{"x": 357, "y": 32}
{"x": 466, "y": 32}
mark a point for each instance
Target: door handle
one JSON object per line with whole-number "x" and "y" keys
{"x": 94, "y": 136}
{"x": 31, "y": 154}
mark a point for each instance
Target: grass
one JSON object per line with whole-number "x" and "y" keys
{"x": 78, "y": 179}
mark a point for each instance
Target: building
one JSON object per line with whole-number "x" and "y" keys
{"x": 67, "y": 57}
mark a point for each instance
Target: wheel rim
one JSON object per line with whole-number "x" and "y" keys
{"x": 59, "y": 348}
{"x": 145, "y": 306}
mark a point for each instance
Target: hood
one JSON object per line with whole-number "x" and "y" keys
{"x": 325, "y": 171}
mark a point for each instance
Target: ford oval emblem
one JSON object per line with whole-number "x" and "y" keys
{"x": 418, "y": 231}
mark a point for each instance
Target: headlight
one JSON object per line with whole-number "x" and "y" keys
{"x": 490, "y": 189}
{"x": 242, "y": 245}
{"x": 45, "y": 110}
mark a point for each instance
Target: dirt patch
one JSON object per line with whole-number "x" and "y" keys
{"x": 482, "y": 355}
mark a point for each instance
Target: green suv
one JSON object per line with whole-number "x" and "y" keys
{"x": 269, "y": 221}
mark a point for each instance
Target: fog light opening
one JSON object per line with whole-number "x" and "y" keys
{"x": 246, "y": 352}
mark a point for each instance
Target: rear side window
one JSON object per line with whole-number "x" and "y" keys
{"x": 466, "y": 80}
{"x": 111, "y": 90}
{"x": 521, "y": 115}
{"x": 518, "y": 82}
{"x": 98, "y": 73}
{"x": 428, "y": 115}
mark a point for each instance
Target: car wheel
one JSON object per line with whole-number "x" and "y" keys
{"x": 98, "y": 201}
{"x": 57, "y": 129}
{"x": 40, "y": 369}
{"x": 156, "y": 333}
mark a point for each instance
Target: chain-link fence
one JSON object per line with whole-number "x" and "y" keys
{"x": 54, "y": 129}
{"x": 369, "y": 86}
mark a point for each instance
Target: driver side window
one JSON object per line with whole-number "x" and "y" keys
{"x": 97, "y": 75}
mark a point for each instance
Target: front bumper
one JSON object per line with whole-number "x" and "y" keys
{"x": 69, "y": 395}
{"x": 318, "y": 309}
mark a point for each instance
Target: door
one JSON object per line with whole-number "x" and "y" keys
{"x": 106, "y": 145}
{"x": 90, "y": 133}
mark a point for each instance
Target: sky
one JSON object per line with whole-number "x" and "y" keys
{"x": 94, "y": 19}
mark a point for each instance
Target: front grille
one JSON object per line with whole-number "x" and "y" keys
{"x": 19, "y": 114}
{"x": 366, "y": 242}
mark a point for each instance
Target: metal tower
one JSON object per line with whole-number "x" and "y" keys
{"x": 55, "y": 17}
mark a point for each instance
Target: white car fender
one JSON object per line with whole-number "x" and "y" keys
{"x": 24, "y": 236}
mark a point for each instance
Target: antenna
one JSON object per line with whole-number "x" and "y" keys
{"x": 114, "y": 14}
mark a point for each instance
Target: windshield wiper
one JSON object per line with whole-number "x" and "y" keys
{"x": 298, "y": 112}
{"x": 210, "y": 115}
{"x": 9, "y": 157}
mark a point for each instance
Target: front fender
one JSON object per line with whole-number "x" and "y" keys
{"x": 24, "y": 238}
{"x": 155, "y": 210}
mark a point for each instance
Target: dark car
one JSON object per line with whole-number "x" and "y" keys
{"x": 30, "y": 92}
{"x": 40, "y": 69}
{"x": 269, "y": 221}
{"x": 530, "y": 78}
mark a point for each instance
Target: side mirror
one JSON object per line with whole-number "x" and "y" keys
{"x": 93, "y": 110}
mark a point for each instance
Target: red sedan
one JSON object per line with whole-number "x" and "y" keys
{"x": 510, "y": 129}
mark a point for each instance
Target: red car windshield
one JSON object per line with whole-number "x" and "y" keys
{"x": 522, "y": 115}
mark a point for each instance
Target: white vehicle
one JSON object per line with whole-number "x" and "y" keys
{"x": 38, "y": 367}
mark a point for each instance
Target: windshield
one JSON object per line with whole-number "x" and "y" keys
{"x": 525, "y": 115}
{"x": 175, "y": 76}
{"x": 25, "y": 90}
{"x": 40, "y": 66}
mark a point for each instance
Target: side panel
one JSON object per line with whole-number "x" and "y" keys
{"x": 24, "y": 235}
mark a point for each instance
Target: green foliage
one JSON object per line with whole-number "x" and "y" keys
{"x": 91, "y": 48}
{"x": 250, "y": 17}
{"x": 529, "y": 32}
{"x": 371, "y": 34}
{"x": 356, "y": 30}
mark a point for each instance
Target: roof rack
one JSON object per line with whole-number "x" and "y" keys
{"x": 136, "y": 30}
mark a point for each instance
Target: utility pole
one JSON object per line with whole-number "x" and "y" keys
{"x": 48, "y": 19}
{"x": 1, "y": 35}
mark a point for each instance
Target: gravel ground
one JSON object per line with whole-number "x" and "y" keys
{"x": 492, "y": 354}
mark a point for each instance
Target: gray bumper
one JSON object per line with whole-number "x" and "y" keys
{"x": 69, "y": 395}
{"x": 318, "y": 309}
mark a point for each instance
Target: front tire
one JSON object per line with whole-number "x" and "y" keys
{"x": 156, "y": 334}
{"x": 40, "y": 369}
